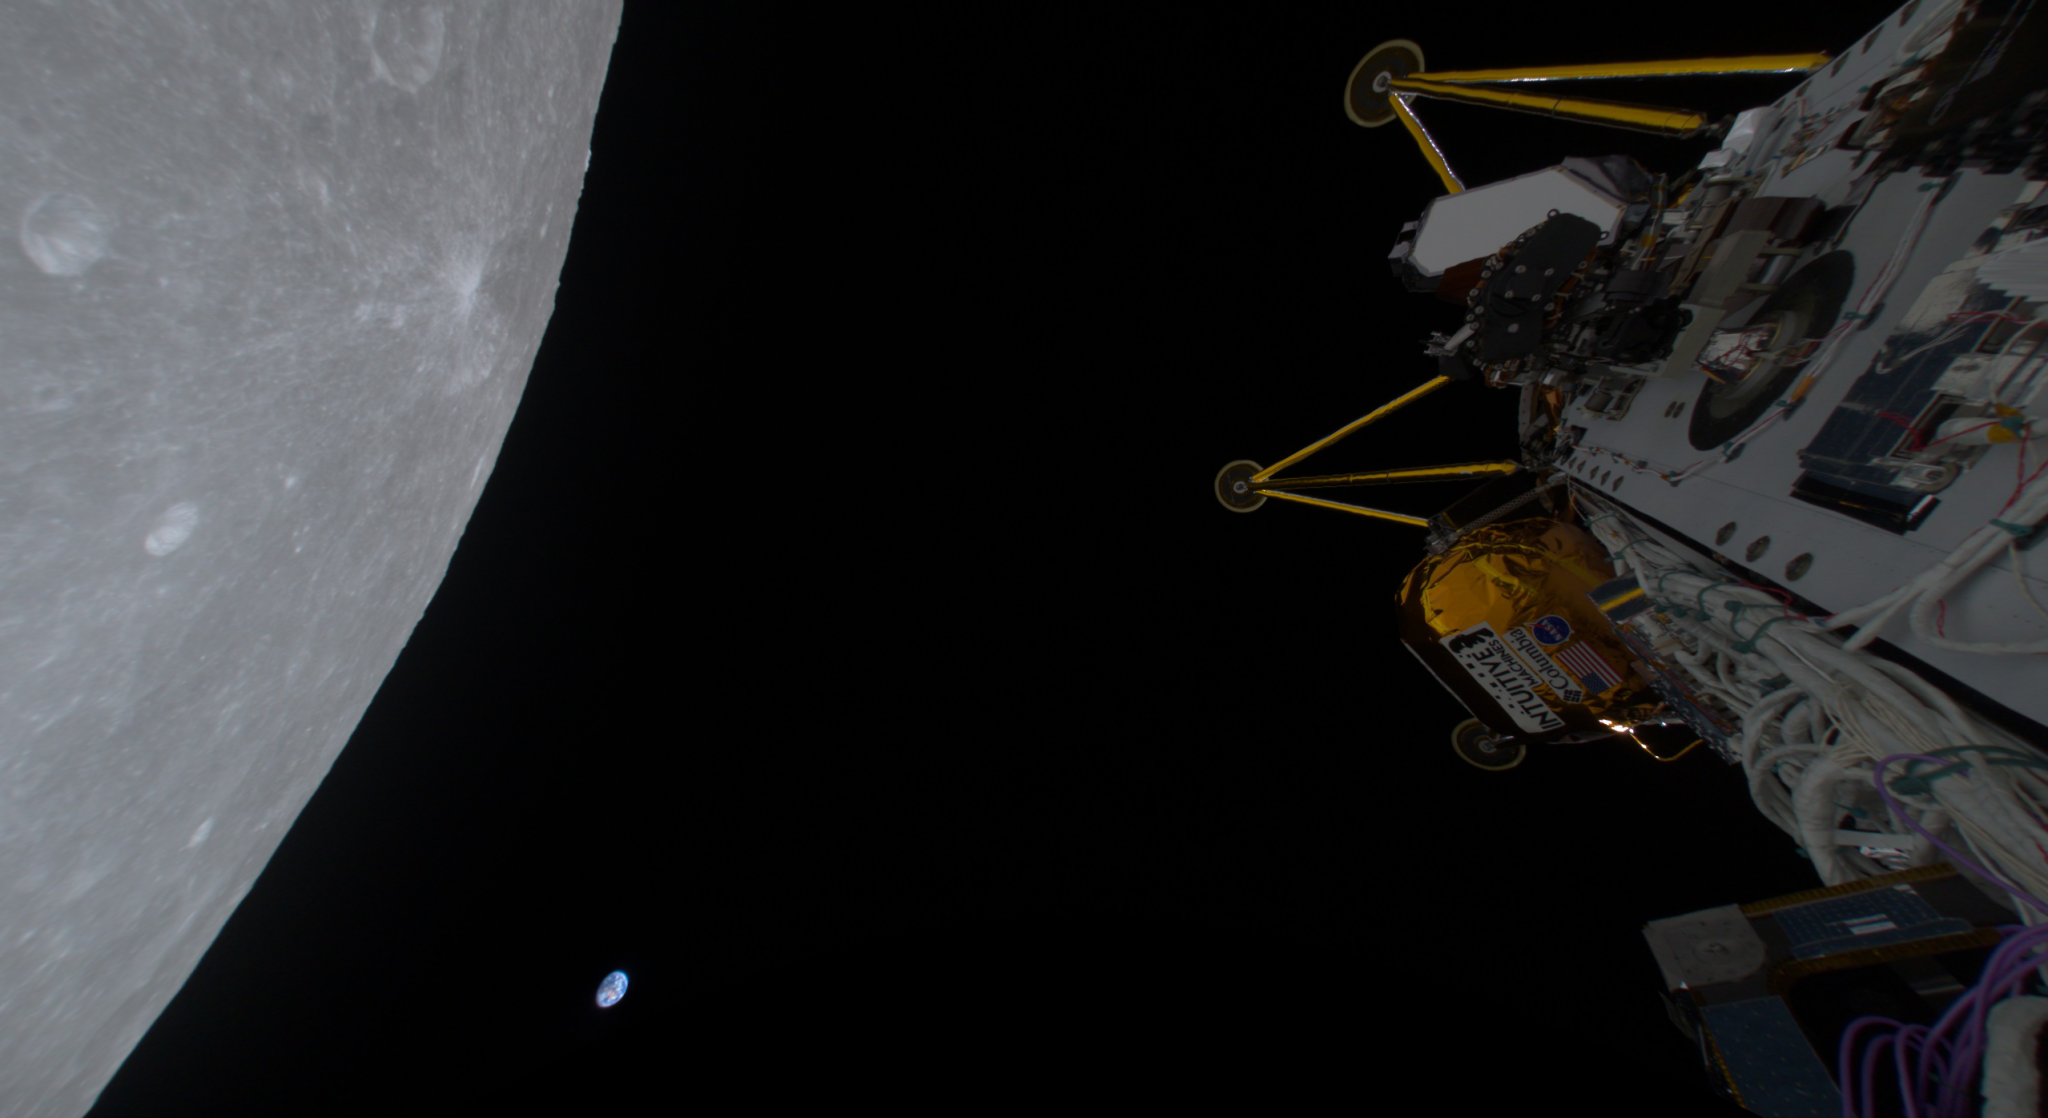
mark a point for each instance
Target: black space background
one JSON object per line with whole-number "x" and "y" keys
{"x": 849, "y": 647}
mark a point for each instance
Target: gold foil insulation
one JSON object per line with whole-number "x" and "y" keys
{"x": 1528, "y": 580}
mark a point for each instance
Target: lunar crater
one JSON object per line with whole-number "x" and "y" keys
{"x": 172, "y": 529}
{"x": 407, "y": 38}
{"x": 64, "y": 234}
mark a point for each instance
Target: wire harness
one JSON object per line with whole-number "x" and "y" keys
{"x": 1870, "y": 768}
{"x": 1816, "y": 718}
{"x": 1920, "y": 598}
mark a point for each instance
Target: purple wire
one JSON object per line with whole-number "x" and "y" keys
{"x": 1877, "y": 776}
{"x": 1844, "y": 1062}
{"x": 1940, "y": 1059}
{"x": 1948, "y": 1053}
{"x": 1870, "y": 1059}
{"x": 2006, "y": 969}
{"x": 1901, "y": 1056}
{"x": 1946, "y": 1070}
{"x": 1946, "y": 1064}
{"x": 2004, "y": 973}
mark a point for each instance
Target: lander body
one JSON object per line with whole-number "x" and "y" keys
{"x": 1774, "y": 500}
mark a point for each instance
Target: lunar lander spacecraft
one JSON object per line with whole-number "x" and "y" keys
{"x": 1774, "y": 497}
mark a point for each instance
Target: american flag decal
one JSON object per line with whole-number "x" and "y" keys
{"x": 1592, "y": 671}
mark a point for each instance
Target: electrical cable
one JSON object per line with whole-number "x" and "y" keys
{"x": 1938, "y": 1065}
{"x": 1921, "y": 596}
{"x": 1817, "y": 717}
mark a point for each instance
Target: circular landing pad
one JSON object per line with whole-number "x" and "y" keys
{"x": 1233, "y": 486}
{"x": 1482, "y": 748}
{"x": 1366, "y": 99}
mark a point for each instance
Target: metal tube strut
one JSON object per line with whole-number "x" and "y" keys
{"x": 1388, "y": 408}
{"x": 1614, "y": 114}
{"x": 1427, "y": 143}
{"x": 1465, "y": 471}
{"x": 1749, "y": 64}
{"x": 1377, "y": 514}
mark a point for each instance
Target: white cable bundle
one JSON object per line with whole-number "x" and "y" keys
{"x": 1922, "y": 596}
{"x": 1817, "y": 716}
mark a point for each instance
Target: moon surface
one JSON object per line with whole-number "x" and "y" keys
{"x": 277, "y": 277}
{"x": 64, "y": 234}
{"x": 612, "y": 988}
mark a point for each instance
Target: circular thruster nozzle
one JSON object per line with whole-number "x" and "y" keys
{"x": 1367, "y": 100}
{"x": 1234, "y": 486}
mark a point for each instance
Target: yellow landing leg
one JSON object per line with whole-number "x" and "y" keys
{"x": 1427, "y": 143}
{"x": 1751, "y": 64}
{"x": 1614, "y": 114}
{"x": 1391, "y": 75}
{"x": 1468, "y": 471}
{"x": 1361, "y": 510}
{"x": 1371, "y": 417}
{"x": 1243, "y": 486}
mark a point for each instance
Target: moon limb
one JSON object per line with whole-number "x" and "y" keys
{"x": 185, "y": 640}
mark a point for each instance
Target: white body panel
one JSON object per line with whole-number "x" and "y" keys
{"x": 1853, "y": 562}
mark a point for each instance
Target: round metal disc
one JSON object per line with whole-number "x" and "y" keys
{"x": 1805, "y": 307}
{"x": 1483, "y": 749}
{"x": 1365, "y": 106}
{"x": 1231, "y": 483}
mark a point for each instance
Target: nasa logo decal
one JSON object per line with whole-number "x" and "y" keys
{"x": 1551, "y": 629}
